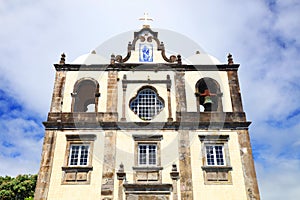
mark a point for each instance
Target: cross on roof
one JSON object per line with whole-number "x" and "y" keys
{"x": 146, "y": 18}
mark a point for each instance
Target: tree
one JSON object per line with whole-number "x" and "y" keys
{"x": 19, "y": 188}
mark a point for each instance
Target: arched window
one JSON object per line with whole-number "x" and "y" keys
{"x": 208, "y": 95}
{"x": 85, "y": 96}
{"x": 146, "y": 104}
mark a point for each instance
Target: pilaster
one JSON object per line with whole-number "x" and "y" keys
{"x": 107, "y": 186}
{"x": 236, "y": 99}
{"x": 248, "y": 165}
{"x": 57, "y": 96}
{"x": 112, "y": 91}
{"x": 43, "y": 181}
{"x": 185, "y": 168}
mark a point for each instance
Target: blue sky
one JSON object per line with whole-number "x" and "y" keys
{"x": 262, "y": 35}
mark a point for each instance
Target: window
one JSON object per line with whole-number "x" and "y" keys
{"x": 147, "y": 154}
{"x": 78, "y": 160}
{"x": 216, "y": 163}
{"x": 147, "y": 158}
{"x": 215, "y": 155}
{"x": 79, "y": 155}
{"x": 147, "y": 104}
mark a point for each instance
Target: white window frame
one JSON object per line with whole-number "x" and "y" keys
{"x": 147, "y": 154}
{"x": 215, "y": 155}
{"x": 79, "y": 154}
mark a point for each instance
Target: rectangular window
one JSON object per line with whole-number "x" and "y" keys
{"x": 215, "y": 155}
{"x": 147, "y": 154}
{"x": 216, "y": 163}
{"x": 78, "y": 167}
{"x": 79, "y": 155}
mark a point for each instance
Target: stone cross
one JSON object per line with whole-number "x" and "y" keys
{"x": 146, "y": 18}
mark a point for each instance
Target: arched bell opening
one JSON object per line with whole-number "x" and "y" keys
{"x": 85, "y": 96}
{"x": 208, "y": 95}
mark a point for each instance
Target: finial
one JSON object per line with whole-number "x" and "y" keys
{"x": 62, "y": 59}
{"x": 230, "y": 59}
{"x": 121, "y": 169}
{"x": 174, "y": 167}
{"x": 112, "y": 59}
{"x": 179, "y": 59}
{"x": 121, "y": 175}
{"x": 129, "y": 48}
{"x": 146, "y": 19}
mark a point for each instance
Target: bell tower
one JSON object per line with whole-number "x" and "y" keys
{"x": 148, "y": 124}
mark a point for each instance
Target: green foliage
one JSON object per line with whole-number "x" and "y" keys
{"x": 19, "y": 188}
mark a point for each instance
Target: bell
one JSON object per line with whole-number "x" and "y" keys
{"x": 207, "y": 100}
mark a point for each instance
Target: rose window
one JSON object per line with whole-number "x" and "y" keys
{"x": 147, "y": 104}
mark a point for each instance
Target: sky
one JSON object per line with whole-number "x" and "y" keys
{"x": 262, "y": 35}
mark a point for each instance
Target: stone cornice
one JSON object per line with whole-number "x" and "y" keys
{"x": 185, "y": 121}
{"x": 147, "y": 126}
{"x": 145, "y": 67}
{"x": 154, "y": 188}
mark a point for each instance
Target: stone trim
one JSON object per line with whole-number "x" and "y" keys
{"x": 211, "y": 116}
{"x": 81, "y": 137}
{"x": 124, "y": 86}
{"x": 236, "y": 99}
{"x": 76, "y": 175}
{"x": 146, "y": 67}
{"x": 58, "y": 91}
{"x": 169, "y": 99}
{"x": 214, "y": 168}
{"x": 67, "y": 117}
{"x": 150, "y": 168}
{"x": 147, "y": 126}
{"x": 180, "y": 92}
{"x": 148, "y": 188}
{"x": 185, "y": 167}
{"x": 214, "y": 138}
{"x": 125, "y": 81}
{"x": 217, "y": 175}
{"x": 141, "y": 33}
{"x": 43, "y": 181}
{"x": 108, "y": 173}
{"x": 147, "y": 137}
{"x": 182, "y": 117}
{"x": 251, "y": 184}
{"x": 112, "y": 92}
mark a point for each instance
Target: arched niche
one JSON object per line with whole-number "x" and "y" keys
{"x": 208, "y": 95}
{"x": 85, "y": 95}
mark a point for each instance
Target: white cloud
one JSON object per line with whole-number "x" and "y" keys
{"x": 21, "y": 143}
{"x": 280, "y": 179}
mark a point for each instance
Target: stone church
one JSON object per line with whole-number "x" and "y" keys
{"x": 146, "y": 124}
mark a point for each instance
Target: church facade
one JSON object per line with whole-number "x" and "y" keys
{"x": 146, "y": 125}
